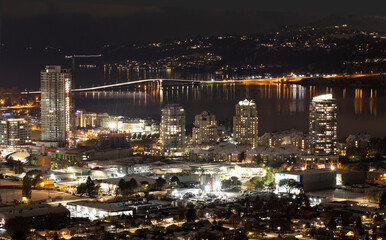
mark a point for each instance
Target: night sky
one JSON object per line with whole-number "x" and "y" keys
{"x": 84, "y": 26}
{"x": 80, "y": 24}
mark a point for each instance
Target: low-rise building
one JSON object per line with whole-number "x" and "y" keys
{"x": 378, "y": 176}
{"x": 268, "y": 154}
{"x": 98, "y": 210}
{"x": 33, "y": 214}
{"x": 318, "y": 161}
{"x": 360, "y": 140}
{"x": 310, "y": 180}
{"x": 286, "y": 137}
{"x": 347, "y": 177}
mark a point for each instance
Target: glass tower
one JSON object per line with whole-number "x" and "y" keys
{"x": 323, "y": 125}
{"x": 56, "y": 105}
{"x": 245, "y": 123}
{"x": 173, "y": 130}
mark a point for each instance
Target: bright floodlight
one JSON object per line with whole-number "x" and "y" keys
{"x": 323, "y": 97}
{"x": 247, "y": 102}
{"x": 112, "y": 125}
{"x": 218, "y": 185}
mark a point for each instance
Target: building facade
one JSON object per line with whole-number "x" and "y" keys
{"x": 205, "y": 129}
{"x": 323, "y": 125}
{"x": 56, "y": 105}
{"x": 360, "y": 140}
{"x": 292, "y": 136}
{"x": 245, "y": 123}
{"x": 318, "y": 161}
{"x": 173, "y": 130}
{"x": 14, "y": 131}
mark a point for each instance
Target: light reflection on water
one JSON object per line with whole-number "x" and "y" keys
{"x": 280, "y": 106}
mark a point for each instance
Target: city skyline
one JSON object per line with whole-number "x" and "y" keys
{"x": 192, "y": 120}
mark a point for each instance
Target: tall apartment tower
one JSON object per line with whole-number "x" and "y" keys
{"x": 173, "y": 130}
{"x": 323, "y": 125}
{"x": 14, "y": 131}
{"x": 56, "y": 105}
{"x": 205, "y": 129}
{"x": 245, "y": 123}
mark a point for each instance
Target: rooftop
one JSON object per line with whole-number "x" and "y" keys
{"x": 138, "y": 178}
{"x": 32, "y": 210}
{"x": 309, "y": 172}
{"x": 247, "y": 102}
{"x": 108, "y": 206}
{"x": 322, "y": 97}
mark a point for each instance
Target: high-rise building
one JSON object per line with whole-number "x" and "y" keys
{"x": 173, "y": 130}
{"x": 56, "y": 105}
{"x": 14, "y": 131}
{"x": 323, "y": 125}
{"x": 205, "y": 129}
{"x": 245, "y": 123}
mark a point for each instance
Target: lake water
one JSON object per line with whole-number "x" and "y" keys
{"x": 280, "y": 106}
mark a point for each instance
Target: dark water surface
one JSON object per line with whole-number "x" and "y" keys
{"x": 280, "y": 106}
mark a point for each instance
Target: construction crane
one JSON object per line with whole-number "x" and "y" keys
{"x": 74, "y": 56}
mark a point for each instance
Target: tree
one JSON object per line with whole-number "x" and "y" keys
{"x": 258, "y": 160}
{"x": 331, "y": 224}
{"x": 133, "y": 184}
{"x": 356, "y": 154}
{"x": 359, "y": 226}
{"x": 134, "y": 136}
{"x": 50, "y": 222}
{"x": 181, "y": 213}
{"x": 36, "y": 176}
{"x": 107, "y": 236}
{"x": 256, "y": 183}
{"x": 144, "y": 185}
{"x": 191, "y": 214}
{"x": 175, "y": 181}
{"x": 26, "y": 188}
{"x": 19, "y": 235}
{"x": 92, "y": 189}
{"x": 88, "y": 188}
{"x": 56, "y": 237}
{"x": 269, "y": 180}
{"x": 235, "y": 181}
{"x": 17, "y": 228}
{"x": 18, "y": 167}
{"x": 81, "y": 189}
{"x": 235, "y": 220}
{"x": 121, "y": 186}
{"x": 302, "y": 200}
{"x": 241, "y": 156}
{"x": 289, "y": 184}
{"x": 382, "y": 201}
{"x": 160, "y": 183}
